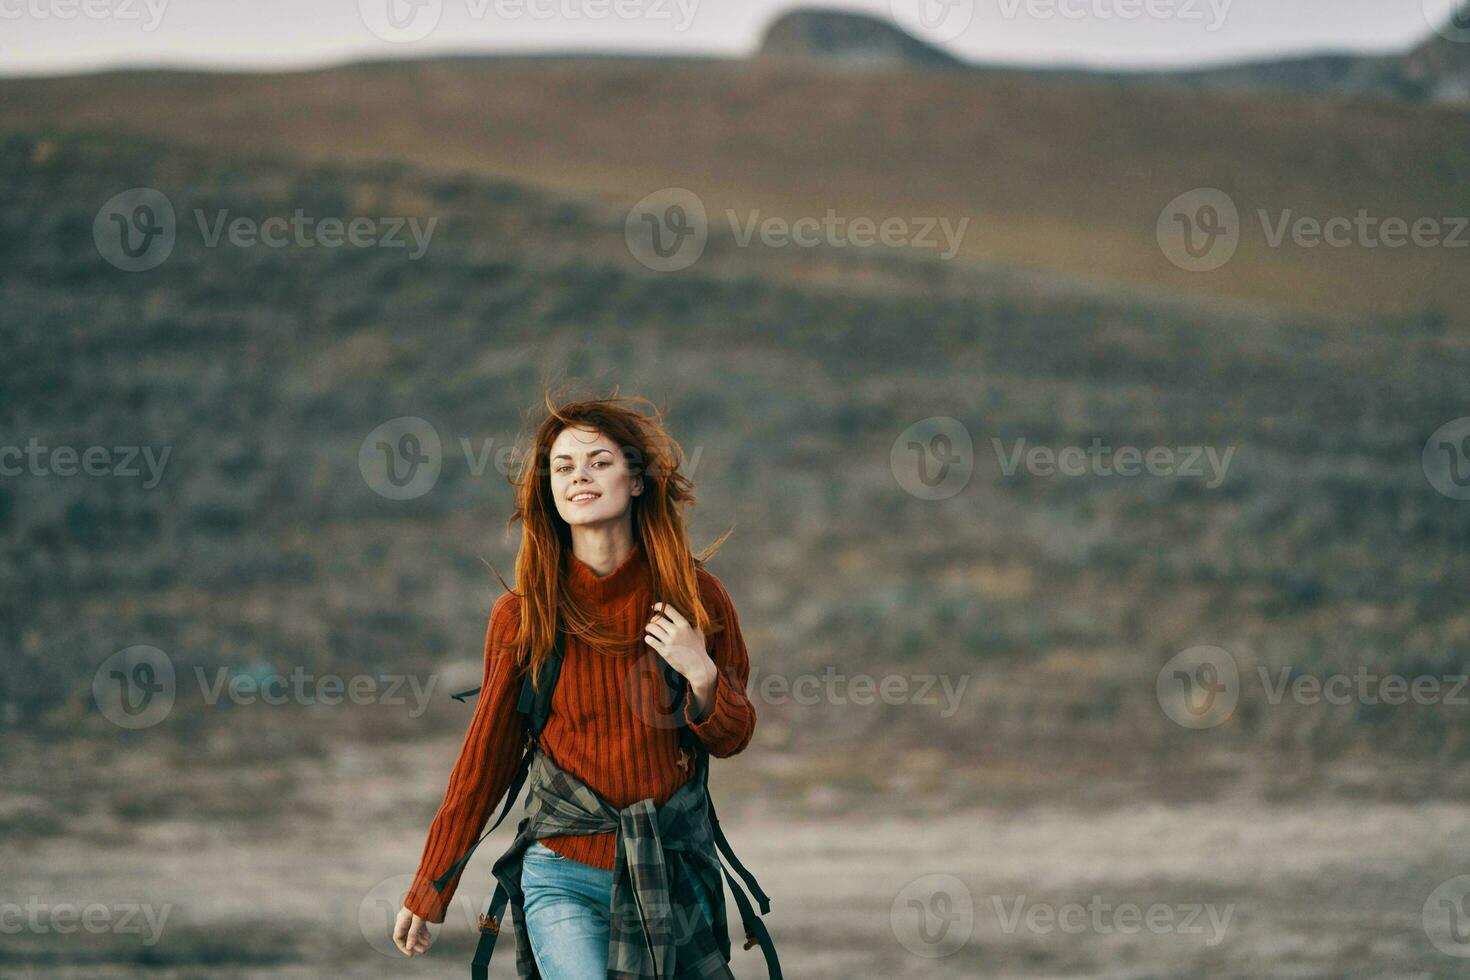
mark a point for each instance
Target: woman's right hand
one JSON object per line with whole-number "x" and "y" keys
{"x": 411, "y": 933}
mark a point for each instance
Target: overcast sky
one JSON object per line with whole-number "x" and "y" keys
{"x": 55, "y": 36}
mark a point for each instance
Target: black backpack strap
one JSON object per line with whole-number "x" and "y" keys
{"x": 489, "y": 932}
{"x": 755, "y": 929}
{"x": 536, "y": 706}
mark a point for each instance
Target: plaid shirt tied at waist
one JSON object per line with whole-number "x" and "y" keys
{"x": 657, "y": 930}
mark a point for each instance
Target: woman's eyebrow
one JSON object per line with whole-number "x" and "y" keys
{"x": 592, "y": 453}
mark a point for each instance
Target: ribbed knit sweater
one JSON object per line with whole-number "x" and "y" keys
{"x": 595, "y": 730}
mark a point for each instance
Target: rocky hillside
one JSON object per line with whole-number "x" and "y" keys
{"x": 832, "y": 38}
{"x": 1435, "y": 71}
{"x": 263, "y": 371}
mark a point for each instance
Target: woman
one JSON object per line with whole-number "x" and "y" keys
{"x": 601, "y": 500}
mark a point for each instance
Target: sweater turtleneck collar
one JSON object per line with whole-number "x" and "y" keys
{"x": 618, "y": 584}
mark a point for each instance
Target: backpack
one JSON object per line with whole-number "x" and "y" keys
{"x": 536, "y": 706}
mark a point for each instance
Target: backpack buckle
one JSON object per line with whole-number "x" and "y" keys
{"x": 491, "y": 923}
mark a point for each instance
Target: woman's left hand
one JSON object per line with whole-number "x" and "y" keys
{"x": 678, "y": 642}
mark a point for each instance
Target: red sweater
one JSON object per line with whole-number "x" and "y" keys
{"x": 594, "y": 731}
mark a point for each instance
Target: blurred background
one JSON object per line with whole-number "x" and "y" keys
{"x": 1085, "y": 382}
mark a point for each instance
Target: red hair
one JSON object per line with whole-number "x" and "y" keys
{"x": 658, "y": 526}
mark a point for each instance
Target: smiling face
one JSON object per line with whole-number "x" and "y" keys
{"x": 590, "y": 478}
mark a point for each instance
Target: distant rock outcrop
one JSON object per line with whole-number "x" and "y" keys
{"x": 843, "y": 39}
{"x": 1438, "y": 70}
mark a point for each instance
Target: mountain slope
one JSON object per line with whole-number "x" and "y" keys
{"x": 828, "y": 38}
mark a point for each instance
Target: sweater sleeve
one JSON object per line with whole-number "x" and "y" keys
{"x": 487, "y": 761}
{"x": 730, "y": 723}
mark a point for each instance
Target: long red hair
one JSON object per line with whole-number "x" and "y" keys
{"x": 658, "y": 526}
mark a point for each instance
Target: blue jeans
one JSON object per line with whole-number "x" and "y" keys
{"x": 569, "y": 912}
